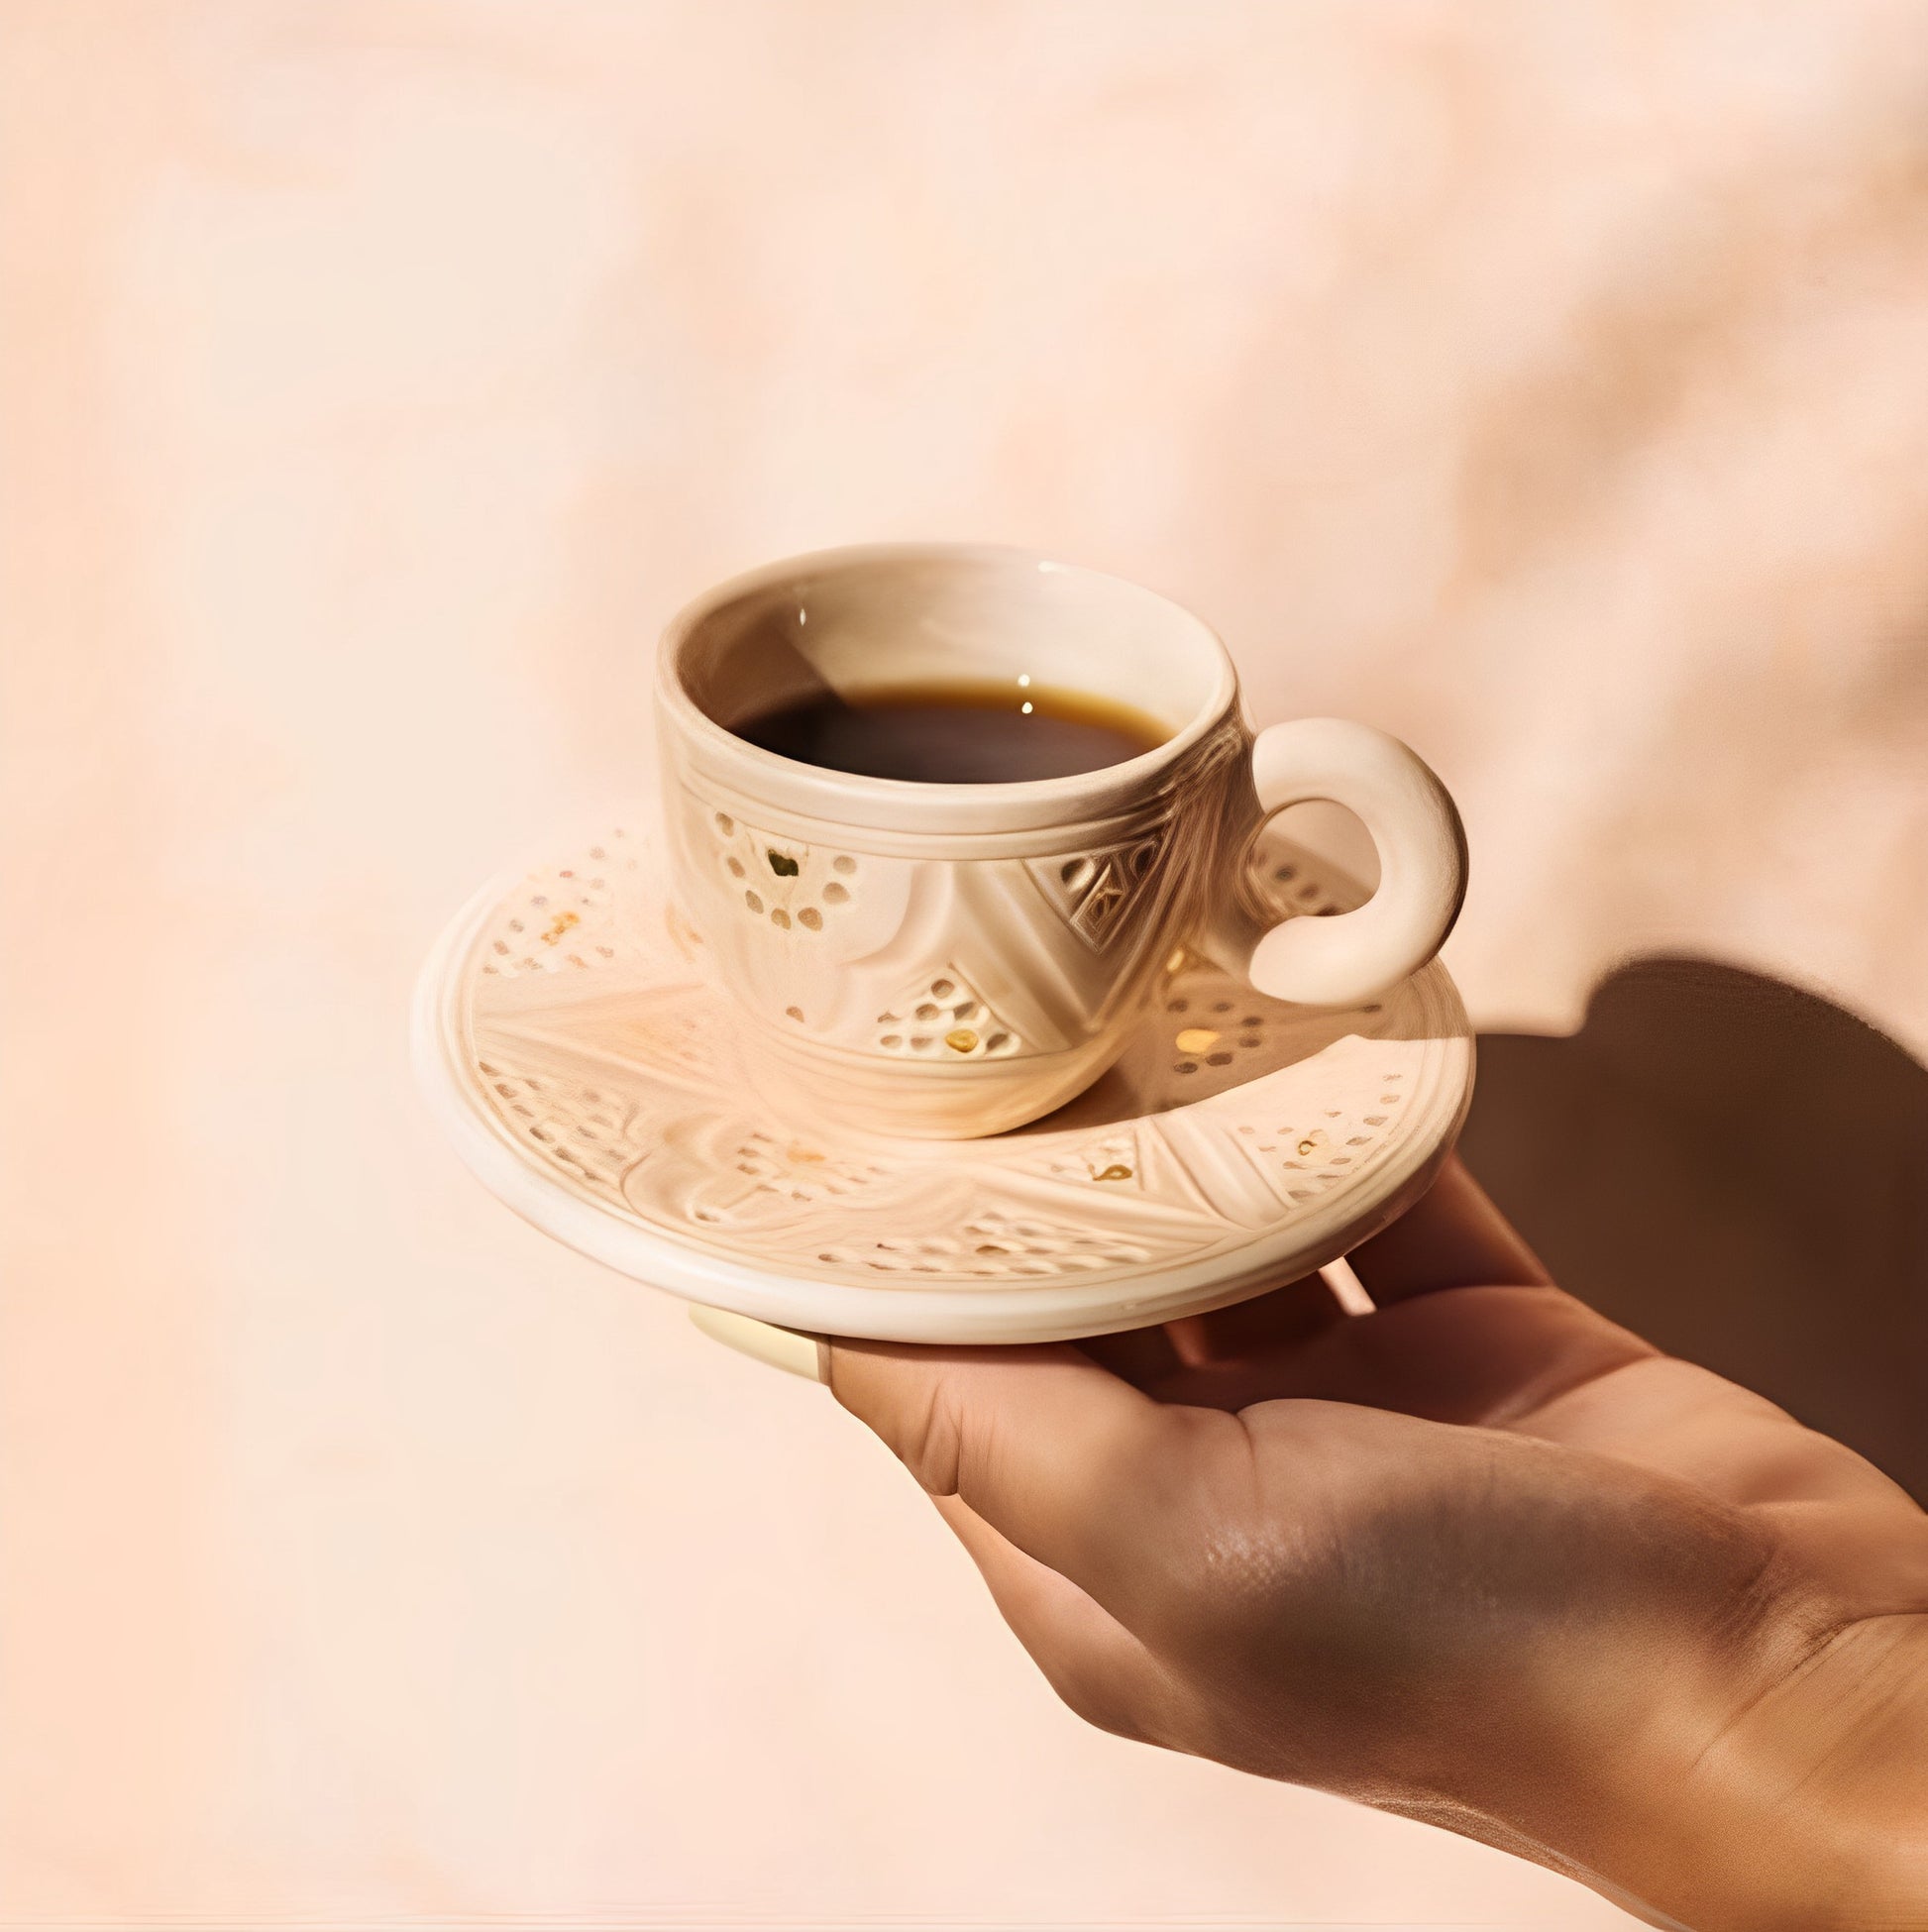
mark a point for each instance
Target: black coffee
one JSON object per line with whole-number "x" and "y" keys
{"x": 957, "y": 733}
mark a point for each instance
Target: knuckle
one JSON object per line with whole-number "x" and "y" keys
{"x": 932, "y": 1445}
{"x": 1235, "y": 1557}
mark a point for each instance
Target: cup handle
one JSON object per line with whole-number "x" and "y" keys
{"x": 1348, "y": 957}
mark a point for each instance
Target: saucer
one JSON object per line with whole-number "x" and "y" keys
{"x": 571, "y": 1044}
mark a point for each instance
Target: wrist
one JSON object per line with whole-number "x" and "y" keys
{"x": 1809, "y": 1808}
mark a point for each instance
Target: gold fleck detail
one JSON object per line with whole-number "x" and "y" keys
{"x": 564, "y": 921}
{"x": 961, "y": 1039}
{"x": 1313, "y": 1140}
{"x": 1116, "y": 1171}
{"x": 1195, "y": 1039}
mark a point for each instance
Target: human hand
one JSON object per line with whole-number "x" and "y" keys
{"x": 1479, "y": 1558}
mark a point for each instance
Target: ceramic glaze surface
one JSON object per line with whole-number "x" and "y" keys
{"x": 571, "y": 1034}
{"x": 954, "y": 960}
{"x": 938, "y": 961}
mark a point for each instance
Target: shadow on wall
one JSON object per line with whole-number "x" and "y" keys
{"x": 1738, "y": 1171}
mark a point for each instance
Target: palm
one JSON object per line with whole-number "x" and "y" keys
{"x": 1651, "y": 1498}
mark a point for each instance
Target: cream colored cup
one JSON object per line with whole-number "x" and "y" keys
{"x": 951, "y": 961}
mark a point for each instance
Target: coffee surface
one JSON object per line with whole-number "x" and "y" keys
{"x": 957, "y": 733}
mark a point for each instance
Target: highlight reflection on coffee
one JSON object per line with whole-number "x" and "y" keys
{"x": 957, "y": 733}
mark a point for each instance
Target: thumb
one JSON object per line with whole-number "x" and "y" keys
{"x": 1076, "y": 1467}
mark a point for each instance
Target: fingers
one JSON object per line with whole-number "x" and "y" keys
{"x": 1073, "y": 1466}
{"x": 1282, "y": 1318}
{"x": 1490, "y": 1356}
{"x": 1295, "y": 1341}
{"x": 1466, "y": 1328}
{"x": 1094, "y": 1664}
{"x": 1454, "y": 1238}
{"x": 1232, "y": 1358}
{"x": 1141, "y": 1356}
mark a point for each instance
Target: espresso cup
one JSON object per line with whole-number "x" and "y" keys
{"x": 951, "y": 961}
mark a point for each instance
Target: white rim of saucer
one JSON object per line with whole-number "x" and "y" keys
{"x": 961, "y": 1315}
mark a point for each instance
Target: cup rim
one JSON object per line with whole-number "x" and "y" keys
{"x": 912, "y": 805}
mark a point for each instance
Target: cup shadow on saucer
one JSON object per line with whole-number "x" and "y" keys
{"x": 1737, "y": 1170}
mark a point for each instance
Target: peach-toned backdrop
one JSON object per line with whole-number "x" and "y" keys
{"x": 1548, "y": 384}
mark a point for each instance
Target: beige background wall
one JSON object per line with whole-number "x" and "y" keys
{"x": 1548, "y": 384}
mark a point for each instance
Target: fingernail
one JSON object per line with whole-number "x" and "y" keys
{"x": 790, "y": 1350}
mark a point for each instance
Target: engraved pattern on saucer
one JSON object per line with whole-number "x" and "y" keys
{"x": 591, "y": 1073}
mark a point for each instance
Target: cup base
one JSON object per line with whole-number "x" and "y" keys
{"x": 923, "y": 1103}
